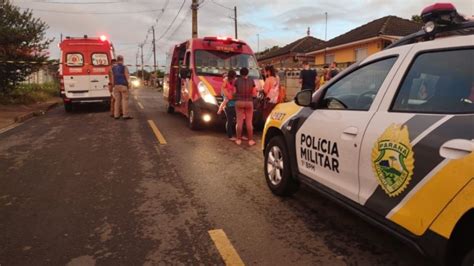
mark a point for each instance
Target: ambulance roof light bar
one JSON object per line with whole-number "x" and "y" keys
{"x": 224, "y": 39}
{"x": 438, "y": 18}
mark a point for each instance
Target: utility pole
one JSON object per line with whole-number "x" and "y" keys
{"x": 194, "y": 8}
{"x": 325, "y": 36}
{"x": 326, "y": 30}
{"x": 136, "y": 63}
{"x": 154, "y": 50}
{"x": 235, "y": 22}
{"x": 141, "y": 52}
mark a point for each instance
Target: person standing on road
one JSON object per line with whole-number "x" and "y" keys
{"x": 228, "y": 105}
{"x": 245, "y": 90}
{"x": 332, "y": 71}
{"x": 121, "y": 81}
{"x": 308, "y": 77}
{"x": 111, "y": 88}
{"x": 271, "y": 88}
{"x": 322, "y": 78}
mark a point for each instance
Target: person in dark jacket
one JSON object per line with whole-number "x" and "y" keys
{"x": 245, "y": 91}
{"x": 308, "y": 77}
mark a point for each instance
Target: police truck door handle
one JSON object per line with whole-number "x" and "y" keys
{"x": 349, "y": 133}
{"x": 456, "y": 148}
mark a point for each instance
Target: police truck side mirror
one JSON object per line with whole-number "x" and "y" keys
{"x": 304, "y": 98}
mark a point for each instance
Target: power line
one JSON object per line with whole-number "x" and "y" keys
{"x": 172, "y": 22}
{"x": 221, "y": 5}
{"x": 92, "y": 13}
{"x": 162, "y": 12}
{"x": 77, "y": 3}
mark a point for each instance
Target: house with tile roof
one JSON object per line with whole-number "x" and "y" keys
{"x": 290, "y": 55}
{"x": 363, "y": 41}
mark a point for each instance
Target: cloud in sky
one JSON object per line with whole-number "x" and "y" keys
{"x": 277, "y": 22}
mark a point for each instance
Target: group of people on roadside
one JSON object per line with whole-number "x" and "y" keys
{"x": 119, "y": 87}
{"x": 310, "y": 80}
{"x": 238, "y": 104}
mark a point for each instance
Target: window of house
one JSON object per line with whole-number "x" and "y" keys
{"x": 361, "y": 53}
{"x": 329, "y": 59}
{"x": 438, "y": 82}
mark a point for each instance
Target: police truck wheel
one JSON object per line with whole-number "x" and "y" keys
{"x": 193, "y": 120}
{"x": 68, "y": 107}
{"x": 469, "y": 258}
{"x": 277, "y": 168}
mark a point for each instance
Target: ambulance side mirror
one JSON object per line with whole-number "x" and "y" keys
{"x": 304, "y": 98}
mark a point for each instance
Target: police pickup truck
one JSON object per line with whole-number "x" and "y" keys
{"x": 391, "y": 138}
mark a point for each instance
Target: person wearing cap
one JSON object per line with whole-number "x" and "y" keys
{"x": 121, "y": 81}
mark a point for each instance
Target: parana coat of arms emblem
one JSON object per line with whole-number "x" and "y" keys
{"x": 393, "y": 159}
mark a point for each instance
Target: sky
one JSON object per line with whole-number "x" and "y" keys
{"x": 262, "y": 24}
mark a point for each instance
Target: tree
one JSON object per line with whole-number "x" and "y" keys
{"x": 22, "y": 38}
{"x": 416, "y": 18}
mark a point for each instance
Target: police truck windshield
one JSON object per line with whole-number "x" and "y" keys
{"x": 217, "y": 63}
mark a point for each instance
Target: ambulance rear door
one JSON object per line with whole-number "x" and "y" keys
{"x": 75, "y": 73}
{"x": 98, "y": 73}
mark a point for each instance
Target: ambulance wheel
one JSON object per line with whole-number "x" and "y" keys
{"x": 193, "y": 117}
{"x": 277, "y": 168}
{"x": 170, "y": 109}
{"x": 469, "y": 258}
{"x": 68, "y": 107}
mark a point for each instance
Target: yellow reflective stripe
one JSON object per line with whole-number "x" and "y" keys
{"x": 417, "y": 214}
{"x": 463, "y": 202}
{"x": 208, "y": 85}
{"x": 289, "y": 109}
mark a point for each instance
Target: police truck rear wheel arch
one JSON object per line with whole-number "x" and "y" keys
{"x": 276, "y": 156}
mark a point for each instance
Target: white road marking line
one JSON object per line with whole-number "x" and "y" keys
{"x": 141, "y": 106}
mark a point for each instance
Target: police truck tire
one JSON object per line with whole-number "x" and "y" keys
{"x": 193, "y": 120}
{"x": 468, "y": 260}
{"x": 277, "y": 168}
{"x": 68, "y": 107}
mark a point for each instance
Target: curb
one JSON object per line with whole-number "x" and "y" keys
{"x": 22, "y": 118}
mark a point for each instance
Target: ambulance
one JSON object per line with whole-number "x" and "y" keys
{"x": 391, "y": 138}
{"x": 83, "y": 70}
{"x": 197, "y": 66}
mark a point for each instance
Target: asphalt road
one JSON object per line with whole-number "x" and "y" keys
{"x": 82, "y": 188}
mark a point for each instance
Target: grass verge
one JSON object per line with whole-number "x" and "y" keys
{"x": 30, "y": 93}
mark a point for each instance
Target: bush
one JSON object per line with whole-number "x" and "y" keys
{"x": 30, "y": 93}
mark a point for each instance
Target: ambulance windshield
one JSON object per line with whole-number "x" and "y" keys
{"x": 217, "y": 63}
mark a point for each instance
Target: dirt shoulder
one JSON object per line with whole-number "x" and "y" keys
{"x": 10, "y": 114}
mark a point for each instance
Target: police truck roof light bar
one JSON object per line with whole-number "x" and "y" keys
{"x": 438, "y": 18}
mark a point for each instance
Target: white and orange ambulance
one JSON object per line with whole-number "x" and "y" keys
{"x": 84, "y": 68}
